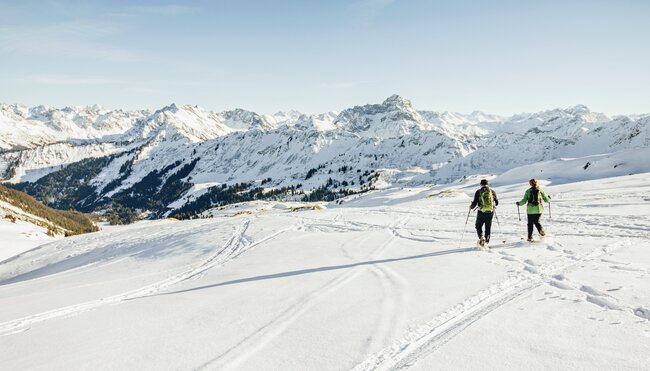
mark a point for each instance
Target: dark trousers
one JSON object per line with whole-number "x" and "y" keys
{"x": 483, "y": 218}
{"x": 533, "y": 220}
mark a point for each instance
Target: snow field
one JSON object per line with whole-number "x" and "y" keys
{"x": 19, "y": 236}
{"x": 377, "y": 283}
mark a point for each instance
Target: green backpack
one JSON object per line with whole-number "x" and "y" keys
{"x": 486, "y": 201}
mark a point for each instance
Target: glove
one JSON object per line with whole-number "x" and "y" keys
{"x": 517, "y": 203}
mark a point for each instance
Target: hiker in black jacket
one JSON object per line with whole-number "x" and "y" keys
{"x": 486, "y": 200}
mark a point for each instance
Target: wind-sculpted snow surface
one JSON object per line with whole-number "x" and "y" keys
{"x": 375, "y": 283}
{"x": 234, "y": 246}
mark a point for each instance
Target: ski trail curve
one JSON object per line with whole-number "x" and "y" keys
{"x": 256, "y": 341}
{"x": 395, "y": 297}
{"x": 231, "y": 249}
{"x": 437, "y": 331}
{"x": 235, "y": 356}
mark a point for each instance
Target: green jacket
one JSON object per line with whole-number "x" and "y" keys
{"x": 534, "y": 209}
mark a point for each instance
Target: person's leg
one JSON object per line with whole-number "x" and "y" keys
{"x": 488, "y": 226}
{"x": 531, "y": 219}
{"x": 479, "y": 224}
{"x": 539, "y": 227}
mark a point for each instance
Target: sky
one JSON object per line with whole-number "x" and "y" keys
{"x": 495, "y": 56}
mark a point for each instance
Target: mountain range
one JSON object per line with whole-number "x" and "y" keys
{"x": 182, "y": 160}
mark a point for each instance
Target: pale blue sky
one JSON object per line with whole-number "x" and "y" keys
{"x": 496, "y": 56}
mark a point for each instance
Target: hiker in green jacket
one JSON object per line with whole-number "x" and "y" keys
{"x": 534, "y": 197}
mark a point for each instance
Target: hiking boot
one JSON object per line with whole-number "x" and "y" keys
{"x": 542, "y": 233}
{"x": 481, "y": 241}
{"x": 530, "y": 239}
{"x": 487, "y": 239}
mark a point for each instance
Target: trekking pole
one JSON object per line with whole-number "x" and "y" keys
{"x": 498, "y": 224}
{"x": 550, "y": 219}
{"x": 519, "y": 213}
{"x": 464, "y": 228}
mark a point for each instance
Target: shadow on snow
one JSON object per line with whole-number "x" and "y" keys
{"x": 319, "y": 269}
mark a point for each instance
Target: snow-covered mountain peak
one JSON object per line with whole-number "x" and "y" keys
{"x": 579, "y": 112}
{"x": 578, "y": 109}
{"x": 197, "y": 124}
{"x": 173, "y": 108}
{"x": 399, "y": 102}
{"x": 321, "y": 123}
{"x": 287, "y": 115}
{"x": 14, "y": 111}
{"x": 241, "y": 119}
{"x": 93, "y": 108}
{"x": 480, "y": 117}
{"x": 392, "y": 118}
{"x": 563, "y": 122}
{"x": 40, "y": 112}
{"x": 191, "y": 122}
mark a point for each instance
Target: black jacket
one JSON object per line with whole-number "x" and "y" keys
{"x": 478, "y": 193}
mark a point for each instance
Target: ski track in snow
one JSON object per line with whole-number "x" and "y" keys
{"x": 395, "y": 298}
{"x": 234, "y": 247}
{"x": 391, "y": 315}
{"x": 420, "y": 342}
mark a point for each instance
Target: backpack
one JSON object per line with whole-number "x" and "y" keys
{"x": 534, "y": 197}
{"x": 486, "y": 200}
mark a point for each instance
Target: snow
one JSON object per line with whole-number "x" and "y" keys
{"x": 196, "y": 191}
{"x": 569, "y": 170}
{"x": 378, "y": 282}
{"x": 408, "y": 147}
{"x": 40, "y": 161}
{"x": 20, "y": 236}
{"x": 389, "y": 279}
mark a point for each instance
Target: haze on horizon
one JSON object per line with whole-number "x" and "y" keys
{"x": 505, "y": 58}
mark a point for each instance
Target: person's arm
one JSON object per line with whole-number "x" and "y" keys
{"x": 496, "y": 200}
{"x": 475, "y": 202}
{"x": 525, "y": 199}
{"x": 545, "y": 197}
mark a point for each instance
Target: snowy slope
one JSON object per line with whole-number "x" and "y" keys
{"x": 32, "y": 164}
{"x": 569, "y": 170}
{"x": 26, "y": 223}
{"x": 380, "y": 282}
{"x": 35, "y": 141}
{"x": 23, "y": 127}
{"x": 19, "y": 233}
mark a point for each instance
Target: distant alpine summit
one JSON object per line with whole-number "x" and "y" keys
{"x": 165, "y": 161}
